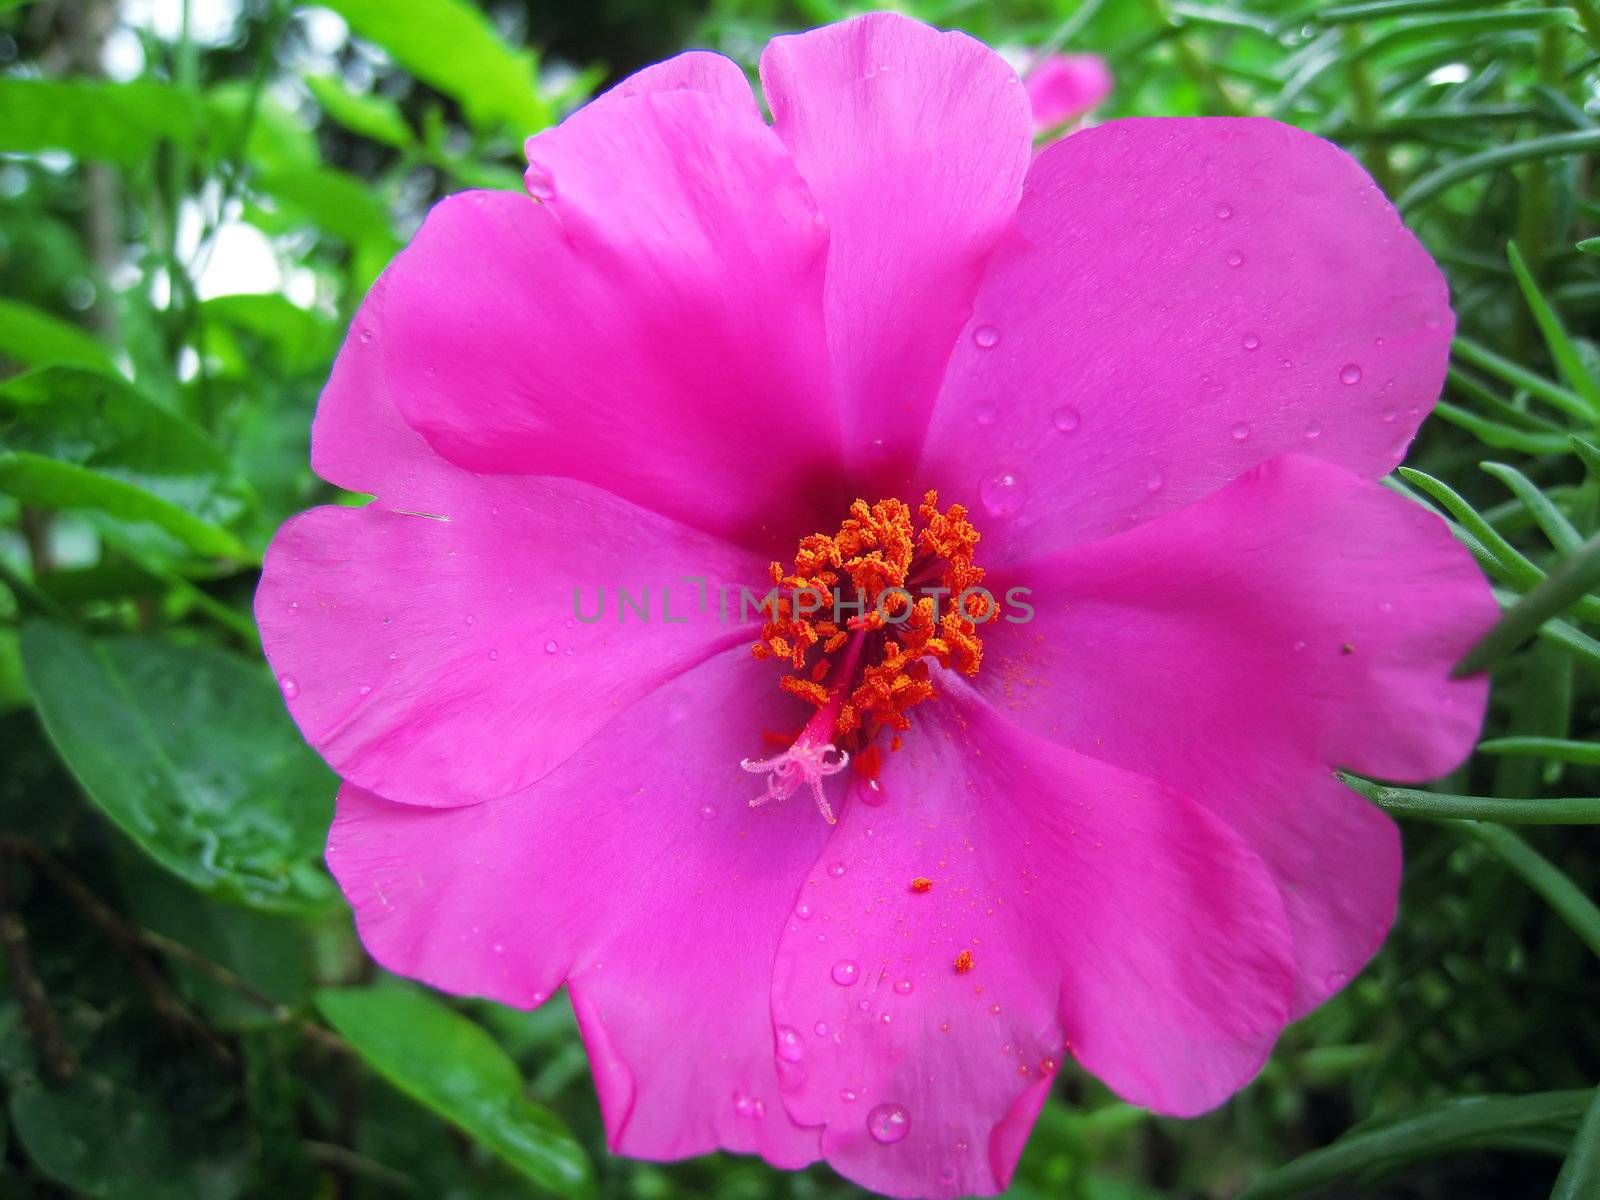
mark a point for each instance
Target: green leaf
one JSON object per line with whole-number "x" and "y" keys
{"x": 92, "y": 427}
{"x": 1555, "y": 749}
{"x": 1567, "y": 359}
{"x": 1590, "y": 245}
{"x": 34, "y": 338}
{"x": 1493, "y": 159}
{"x": 1509, "y": 372}
{"x": 300, "y": 340}
{"x": 1563, "y": 535}
{"x": 91, "y": 119}
{"x": 442, "y": 1060}
{"x": 1469, "y": 1123}
{"x": 451, "y": 46}
{"x": 1580, "y": 1174}
{"x": 1565, "y": 587}
{"x": 375, "y": 117}
{"x": 189, "y": 751}
{"x": 1410, "y": 802}
{"x": 1539, "y": 873}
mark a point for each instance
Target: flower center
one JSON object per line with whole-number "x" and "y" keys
{"x": 856, "y": 620}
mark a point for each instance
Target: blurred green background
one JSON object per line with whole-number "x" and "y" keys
{"x": 193, "y": 198}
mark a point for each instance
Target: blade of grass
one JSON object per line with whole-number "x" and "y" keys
{"x": 1567, "y": 359}
{"x": 1447, "y": 176}
{"x": 1556, "y": 749}
{"x": 1561, "y": 589}
{"x": 1411, "y": 802}
{"x": 1539, "y": 873}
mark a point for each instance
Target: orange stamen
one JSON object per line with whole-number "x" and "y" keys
{"x": 963, "y": 962}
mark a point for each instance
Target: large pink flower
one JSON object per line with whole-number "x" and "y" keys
{"x": 1162, "y": 365}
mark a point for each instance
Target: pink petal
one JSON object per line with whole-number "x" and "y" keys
{"x": 1065, "y": 86}
{"x": 1237, "y": 649}
{"x": 637, "y": 873}
{"x": 654, "y": 327}
{"x": 1187, "y": 298}
{"x": 915, "y": 144}
{"x": 1102, "y": 910}
{"x": 693, "y": 71}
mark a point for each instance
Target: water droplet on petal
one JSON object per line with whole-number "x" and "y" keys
{"x": 550, "y": 647}
{"x": 821, "y": 1028}
{"x": 290, "y": 686}
{"x": 1153, "y": 483}
{"x": 1003, "y": 493}
{"x": 986, "y": 414}
{"x": 874, "y": 794}
{"x": 541, "y": 186}
{"x": 366, "y": 335}
{"x": 1235, "y": 259}
{"x": 1240, "y": 432}
{"x": 803, "y": 911}
{"x": 836, "y": 869}
{"x": 364, "y": 690}
{"x": 1065, "y": 418}
{"x": 1313, "y": 432}
{"x": 1223, "y": 212}
{"x": 1251, "y": 342}
{"x": 986, "y": 337}
{"x": 1337, "y": 979}
{"x": 904, "y": 987}
{"x": 494, "y": 654}
{"x": 790, "y": 1047}
{"x": 888, "y": 1123}
{"x": 707, "y": 812}
{"x": 1349, "y": 374}
{"x": 1389, "y": 416}
{"x": 848, "y": 1096}
{"x": 844, "y": 972}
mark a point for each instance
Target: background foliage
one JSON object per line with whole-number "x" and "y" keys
{"x": 193, "y": 197}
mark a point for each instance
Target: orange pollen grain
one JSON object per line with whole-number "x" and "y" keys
{"x": 891, "y": 560}
{"x": 922, "y": 884}
{"x": 963, "y": 962}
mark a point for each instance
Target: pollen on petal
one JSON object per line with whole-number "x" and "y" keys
{"x": 923, "y": 884}
{"x": 963, "y": 962}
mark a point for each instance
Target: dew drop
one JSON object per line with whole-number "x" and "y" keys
{"x": 848, "y": 1096}
{"x": 1337, "y": 979}
{"x": 888, "y": 1123}
{"x": 803, "y": 911}
{"x": 1240, "y": 432}
{"x": 986, "y": 337}
{"x": 874, "y": 794}
{"x": 1251, "y": 342}
{"x": 1003, "y": 493}
{"x": 986, "y": 414}
{"x": 1223, "y": 212}
{"x": 904, "y": 987}
{"x": 550, "y": 647}
{"x": 541, "y": 186}
{"x": 393, "y": 655}
{"x": 1350, "y": 374}
{"x": 707, "y": 812}
{"x": 1313, "y": 432}
{"x": 290, "y": 686}
{"x": 790, "y": 1047}
{"x": 864, "y": 1005}
{"x": 994, "y": 1009}
{"x": 885, "y": 1018}
{"x": 836, "y": 870}
{"x": 844, "y": 972}
{"x": 1299, "y": 645}
{"x": 821, "y": 1028}
{"x": 366, "y": 335}
{"x": 1153, "y": 483}
{"x": 494, "y": 654}
{"x": 1065, "y": 419}
{"x": 1389, "y": 416}
{"x": 1235, "y": 259}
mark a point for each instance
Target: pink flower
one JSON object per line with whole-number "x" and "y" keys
{"x": 1162, "y": 365}
{"x": 1065, "y": 87}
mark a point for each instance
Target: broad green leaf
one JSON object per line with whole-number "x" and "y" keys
{"x": 300, "y": 340}
{"x": 375, "y": 117}
{"x": 72, "y": 438}
{"x": 94, "y": 120}
{"x": 35, "y": 338}
{"x": 444, "y": 1061}
{"x": 1470, "y": 1123}
{"x": 273, "y": 138}
{"x": 451, "y": 46}
{"x": 189, "y": 751}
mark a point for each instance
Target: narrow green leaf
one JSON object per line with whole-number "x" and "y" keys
{"x": 1520, "y": 377}
{"x": 1580, "y": 1174}
{"x": 1344, "y": 13}
{"x": 1556, "y": 749}
{"x": 1410, "y": 802}
{"x": 1470, "y": 165}
{"x": 451, "y": 1066}
{"x": 1587, "y": 451}
{"x": 450, "y": 45}
{"x": 1469, "y": 1123}
{"x": 1590, "y": 245}
{"x": 1539, "y": 873}
{"x": 1558, "y": 633}
{"x": 35, "y": 338}
{"x": 1565, "y": 587}
{"x": 1563, "y": 535}
{"x": 188, "y": 750}
{"x": 1497, "y": 435}
{"x": 1567, "y": 359}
